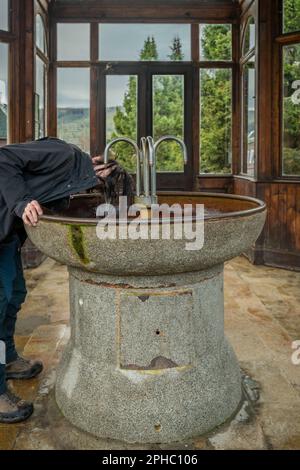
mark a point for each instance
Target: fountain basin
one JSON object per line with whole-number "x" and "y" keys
{"x": 232, "y": 224}
{"x": 148, "y": 360}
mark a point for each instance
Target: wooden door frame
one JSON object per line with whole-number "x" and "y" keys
{"x": 146, "y": 70}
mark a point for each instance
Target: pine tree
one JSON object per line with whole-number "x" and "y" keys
{"x": 149, "y": 51}
{"x": 176, "y": 50}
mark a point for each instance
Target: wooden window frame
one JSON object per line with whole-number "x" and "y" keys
{"x": 280, "y": 41}
{"x": 11, "y": 38}
{"x": 250, "y": 13}
{"x": 209, "y": 15}
{"x": 40, "y": 10}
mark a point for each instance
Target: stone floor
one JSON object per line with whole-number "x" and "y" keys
{"x": 262, "y": 316}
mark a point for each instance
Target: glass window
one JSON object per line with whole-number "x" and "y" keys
{"x": 168, "y": 119}
{"x": 40, "y": 35}
{"x": 249, "y": 116}
{"x": 249, "y": 38}
{"x": 40, "y": 94}
{"x": 215, "y": 120}
{"x": 3, "y": 94}
{"x": 4, "y": 15}
{"x": 73, "y": 106}
{"x": 121, "y": 116}
{"x": 291, "y": 16}
{"x": 134, "y": 42}
{"x": 215, "y": 42}
{"x": 291, "y": 110}
{"x": 73, "y": 41}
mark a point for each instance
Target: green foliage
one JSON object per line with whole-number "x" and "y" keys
{"x": 168, "y": 117}
{"x": 216, "y": 42}
{"x": 291, "y": 110}
{"x": 291, "y": 15}
{"x": 149, "y": 51}
{"x": 176, "y": 50}
{"x": 125, "y": 123}
{"x": 216, "y": 110}
{"x": 215, "y": 121}
{"x": 168, "y": 107}
{"x": 168, "y": 113}
{"x": 291, "y": 159}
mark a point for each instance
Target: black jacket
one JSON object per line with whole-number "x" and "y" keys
{"x": 45, "y": 170}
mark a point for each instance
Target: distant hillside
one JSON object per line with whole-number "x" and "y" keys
{"x": 110, "y": 120}
{"x": 3, "y": 121}
{"x": 73, "y": 125}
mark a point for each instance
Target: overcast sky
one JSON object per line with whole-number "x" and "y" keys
{"x": 3, "y": 14}
{"x": 3, "y": 72}
{"x": 116, "y": 42}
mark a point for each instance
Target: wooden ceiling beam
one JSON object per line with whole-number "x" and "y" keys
{"x": 140, "y": 11}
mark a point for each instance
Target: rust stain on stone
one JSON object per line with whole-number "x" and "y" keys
{"x": 109, "y": 285}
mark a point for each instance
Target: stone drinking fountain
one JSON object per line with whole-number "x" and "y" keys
{"x": 147, "y": 360}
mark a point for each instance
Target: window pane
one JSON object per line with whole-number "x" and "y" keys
{"x": 73, "y": 106}
{"x": 291, "y": 110}
{"x": 121, "y": 116}
{"x": 3, "y": 94}
{"x": 144, "y": 42}
{"x": 168, "y": 119}
{"x": 4, "y": 16}
{"x": 291, "y": 16}
{"x": 215, "y": 120}
{"x": 40, "y": 93}
{"x": 215, "y": 42}
{"x": 249, "y": 39}
{"x": 40, "y": 36}
{"x": 249, "y": 119}
{"x": 73, "y": 41}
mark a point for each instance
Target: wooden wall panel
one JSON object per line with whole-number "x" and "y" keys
{"x": 279, "y": 244}
{"x": 244, "y": 187}
{"x": 214, "y": 184}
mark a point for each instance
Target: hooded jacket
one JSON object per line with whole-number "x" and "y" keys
{"x": 45, "y": 170}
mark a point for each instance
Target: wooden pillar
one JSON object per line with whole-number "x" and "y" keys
{"x": 266, "y": 14}
{"x": 29, "y": 76}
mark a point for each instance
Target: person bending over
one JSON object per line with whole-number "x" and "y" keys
{"x": 43, "y": 172}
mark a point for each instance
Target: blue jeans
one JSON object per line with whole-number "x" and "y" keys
{"x": 12, "y": 295}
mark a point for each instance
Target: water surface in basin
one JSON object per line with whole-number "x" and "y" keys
{"x": 84, "y": 207}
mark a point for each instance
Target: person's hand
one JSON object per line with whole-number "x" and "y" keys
{"x": 101, "y": 169}
{"x": 31, "y": 213}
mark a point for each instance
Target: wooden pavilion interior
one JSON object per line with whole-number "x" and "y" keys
{"x": 65, "y": 64}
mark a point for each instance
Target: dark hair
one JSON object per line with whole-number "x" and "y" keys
{"x": 118, "y": 183}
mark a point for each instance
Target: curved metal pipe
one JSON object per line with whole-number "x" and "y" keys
{"x": 152, "y": 163}
{"x": 176, "y": 139}
{"x": 145, "y": 167}
{"x": 137, "y": 150}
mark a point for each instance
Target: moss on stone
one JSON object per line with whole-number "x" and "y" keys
{"x": 77, "y": 241}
